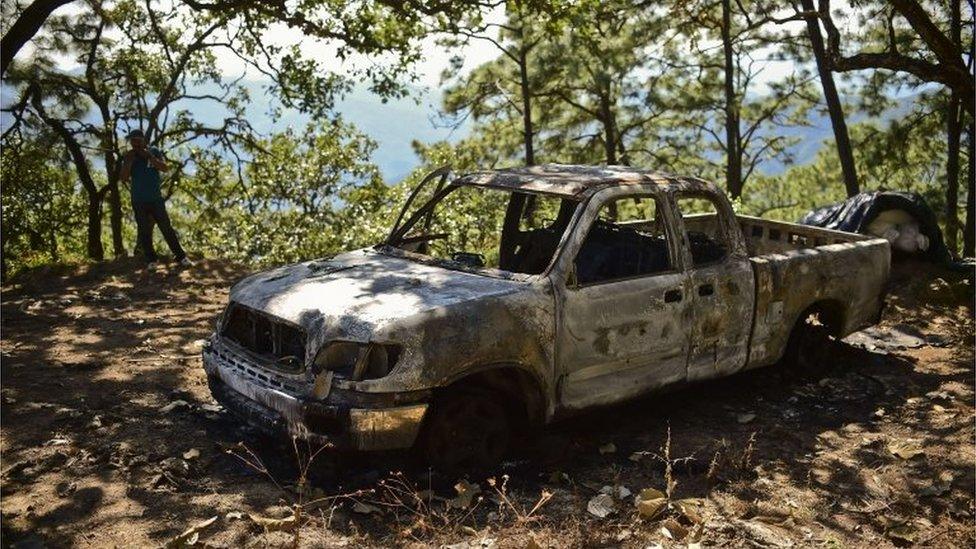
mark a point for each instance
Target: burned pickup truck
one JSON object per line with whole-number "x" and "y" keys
{"x": 504, "y": 300}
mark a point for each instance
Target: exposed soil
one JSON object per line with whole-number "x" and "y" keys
{"x": 110, "y": 438}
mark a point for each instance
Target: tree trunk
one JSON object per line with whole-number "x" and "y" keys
{"x": 608, "y": 120}
{"x": 95, "y": 249}
{"x": 733, "y": 154}
{"x": 844, "y": 151}
{"x": 114, "y": 199}
{"x": 115, "y": 219}
{"x": 52, "y": 242}
{"x": 624, "y": 156}
{"x": 969, "y": 235}
{"x": 527, "y": 130}
{"x": 954, "y": 129}
{"x": 952, "y": 177}
{"x": 24, "y": 28}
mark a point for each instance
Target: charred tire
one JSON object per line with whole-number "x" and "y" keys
{"x": 466, "y": 430}
{"x": 807, "y": 342}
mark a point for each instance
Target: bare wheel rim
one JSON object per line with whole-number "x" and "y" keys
{"x": 469, "y": 431}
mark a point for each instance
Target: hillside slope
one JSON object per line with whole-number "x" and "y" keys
{"x": 110, "y": 438}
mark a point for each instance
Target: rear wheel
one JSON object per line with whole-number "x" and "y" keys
{"x": 466, "y": 430}
{"x": 807, "y": 345}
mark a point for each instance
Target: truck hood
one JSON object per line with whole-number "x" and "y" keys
{"x": 353, "y": 295}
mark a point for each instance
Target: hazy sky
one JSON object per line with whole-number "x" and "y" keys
{"x": 435, "y": 58}
{"x": 428, "y": 70}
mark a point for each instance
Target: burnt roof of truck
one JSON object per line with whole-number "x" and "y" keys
{"x": 575, "y": 180}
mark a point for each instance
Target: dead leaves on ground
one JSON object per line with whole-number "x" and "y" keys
{"x": 679, "y": 519}
{"x": 191, "y": 535}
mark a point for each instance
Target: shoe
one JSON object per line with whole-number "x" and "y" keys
{"x": 186, "y": 262}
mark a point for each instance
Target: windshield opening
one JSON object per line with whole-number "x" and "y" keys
{"x": 484, "y": 227}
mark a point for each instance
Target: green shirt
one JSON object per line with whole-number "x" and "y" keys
{"x": 145, "y": 179}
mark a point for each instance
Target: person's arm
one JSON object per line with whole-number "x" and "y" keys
{"x": 127, "y": 165}
{"x": 157, "y": 160}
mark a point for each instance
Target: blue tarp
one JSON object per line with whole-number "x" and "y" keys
{"x": 857, "y": 212}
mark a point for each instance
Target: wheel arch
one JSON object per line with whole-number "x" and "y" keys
{"x": 831, "y": 313}
{"x": 517, "y": 383}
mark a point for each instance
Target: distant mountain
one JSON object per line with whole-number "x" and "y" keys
{"x": 395, "y": 124}
{"x": 812, "y": 137}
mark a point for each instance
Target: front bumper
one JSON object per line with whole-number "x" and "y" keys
{"x": 264, "y": 401}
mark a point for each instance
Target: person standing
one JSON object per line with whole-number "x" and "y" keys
{"x": 142, "y": 165}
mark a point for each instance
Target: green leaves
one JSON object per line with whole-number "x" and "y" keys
{"x": 304, "y": 193}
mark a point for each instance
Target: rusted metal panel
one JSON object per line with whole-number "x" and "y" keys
{"x": 851, "y": 274}
{"x": 569, "y": 180}
{"x": 385, "y": 429}
{"x": 622, "y": 338}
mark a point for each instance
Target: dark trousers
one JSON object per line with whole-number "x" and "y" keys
{"x": 149, "y": 214}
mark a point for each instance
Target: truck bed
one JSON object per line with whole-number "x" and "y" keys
{"x": 764, "y": 237}
{"x": 800, "y": 270}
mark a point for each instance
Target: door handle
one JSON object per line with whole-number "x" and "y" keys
{"x": 672, "y": 296}
{"x": 706, "y": 290}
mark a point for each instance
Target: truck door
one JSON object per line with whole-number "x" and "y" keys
{"x": 620, "y": 325}
{"x": 721, "y": 291}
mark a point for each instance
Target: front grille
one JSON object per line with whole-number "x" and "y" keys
{"x": 241, "y": 366}
{"x": 269, "y": 338}
{"x": 264, "y": 419}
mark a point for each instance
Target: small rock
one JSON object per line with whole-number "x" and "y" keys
{"x": 192, "y": 453}
{"x": 173, "y": 405}
{"x": 601, "y": 506}
{"x": 211, "y": 408}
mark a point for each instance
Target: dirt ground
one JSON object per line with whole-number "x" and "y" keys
{"x": 110, "y": 438}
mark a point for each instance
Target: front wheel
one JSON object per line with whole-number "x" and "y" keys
{"x": 467, "y": 430}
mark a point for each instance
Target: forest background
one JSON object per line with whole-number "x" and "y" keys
{"x": 786, "y": 105}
